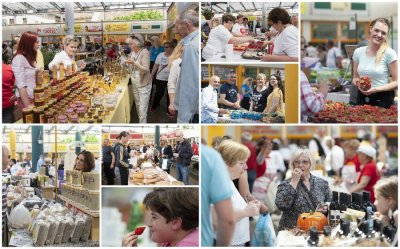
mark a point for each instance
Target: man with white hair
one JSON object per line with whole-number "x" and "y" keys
{"x": 209, "y": 101}
{"x": 187, "y": 87}
{"x": 183, "y": 156}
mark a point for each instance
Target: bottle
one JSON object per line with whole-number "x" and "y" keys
{"x": 368, "y": 218}
{"x": 313, "y": 239}
{"x": 344, "y": 231}
{"x": 343, "y": 203}
{"x": 367, "y": 201}
{"x": 377, "y": 231}
{"x": 354, "y": 202}
{"x": 334, "y": 210}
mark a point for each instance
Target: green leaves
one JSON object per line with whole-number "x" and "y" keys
{"x": 141, "y": 15}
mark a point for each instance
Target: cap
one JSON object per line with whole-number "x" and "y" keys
{"x": 367, "y": 150}
{"x": 138, "y": 37}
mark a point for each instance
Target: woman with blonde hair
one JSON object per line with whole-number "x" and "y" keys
{"x": 174, "y": 63}
{"x": 258, "y": 100}
{"x": 235, "y": 156}
{"x": 275, "y": 101}
{"x": 67, "y": 56}
{"x": 302, "y": 192}
{"x": 378, "y": 62}
{"x": 246, "y": 90}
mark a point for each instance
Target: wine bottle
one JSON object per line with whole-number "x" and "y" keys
{"x": 334, "y": 211}
{"x": 344, "y": 231}
{"x": 377, "y": 232}
{"x": 313, "y": 239}
{"x": 367, "y": 201}
{"x": 354, "y": 202}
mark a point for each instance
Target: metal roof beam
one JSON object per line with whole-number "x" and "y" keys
{"x": 255, "y": 8}
{"x": 55, "y": 5}
{"x": 104, "y": 5}
{"x": 294, "y": 5}
{"x": 220, "y": 8}
{"x": 8, "y": 9}
{"x": 79, "y": 6}
{"x": 29, "y": 6}
{"x": 243, "y": 6}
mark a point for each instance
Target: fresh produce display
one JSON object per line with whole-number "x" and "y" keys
{"x": 337, "y": 112}
{"x": 247, "y": 115}
{"x": 365, "y": 83}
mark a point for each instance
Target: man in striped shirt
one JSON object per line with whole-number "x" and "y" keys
{"x": 5, "y": 162}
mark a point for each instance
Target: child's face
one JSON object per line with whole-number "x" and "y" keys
{"x": 382, "y": 204}
{"x": 161, "y": 231}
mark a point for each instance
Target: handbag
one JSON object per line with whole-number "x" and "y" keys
{"x": 264, "y": 232}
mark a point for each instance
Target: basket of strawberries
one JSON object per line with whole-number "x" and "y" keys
{"x": 364, "y": 83}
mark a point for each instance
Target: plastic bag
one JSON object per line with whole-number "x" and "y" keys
{"x": 40, "y": 233}
{"x": 20, "y": 217}
{"x": 271, "y": 195}
{"x": 79, "y": 226}
{"x": 87, "y": 230}
{"x": 53, "y": 228}
{"x": 264, "y": 232}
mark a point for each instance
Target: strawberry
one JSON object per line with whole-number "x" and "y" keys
{"x": 139, "y": 230}
{"x": 365, "y": 83}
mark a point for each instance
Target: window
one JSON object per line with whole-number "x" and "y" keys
{"x": 351, "y": 34}
{"x": 324, "y": 31}
{"x": 25, "y": 20}
{"x": 12, "y": 21}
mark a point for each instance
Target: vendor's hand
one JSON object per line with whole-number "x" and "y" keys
{"x": 296, "y": 175}
{"x": 171, "y": 108}
{"x": 236, "y": 105}
{"x": 323, "y": 88}
{"x": 222, "y": 111}
{"x": 355, "y": 81}
{"x": 267, "y": 57}
{"x": 263, "y": 209}
{"x": 372, "y": 90}
{"x": 253, "y": 208}
{"x": 130, "y": 239}
{"x": 82, "y": 66}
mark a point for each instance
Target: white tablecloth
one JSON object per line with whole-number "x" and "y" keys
{"x": 237, "y": 57}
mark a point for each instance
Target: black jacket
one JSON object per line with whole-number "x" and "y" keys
{"x": 185, "y": 152}
{"x": 168, "y": 152}
{"x": 121, "y": 156}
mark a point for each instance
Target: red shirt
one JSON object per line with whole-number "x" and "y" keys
{"x": 372, "y": 171}
{"x": 8, "y": 85}
{"x": 354, "y": 161}
{"x": 252, "y": 161}
{"x": 195, "y": 149}
{"x": 112, "y": 53}
{"x": 261, "y": 169}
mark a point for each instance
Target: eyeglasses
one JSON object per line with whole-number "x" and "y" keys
{"x": 304, "y": 162}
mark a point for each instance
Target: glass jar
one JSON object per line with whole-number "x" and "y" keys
{"x": 27, "y": 115}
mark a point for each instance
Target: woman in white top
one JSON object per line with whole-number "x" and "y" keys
{"x": 139, "y": 60}
{"x": 238, "y": 28}
{"x": 174, "y": 63}
{"x": 67, "y": 56}
{"x": 161, "y": 73}
{"x": 221, "y": 36}
{"x": 286, "y": 47}
{"x": 24, "y": 68}
{"x": 235, "y": 156}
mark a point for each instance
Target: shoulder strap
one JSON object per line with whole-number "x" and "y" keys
{"x": 307, "y": 196}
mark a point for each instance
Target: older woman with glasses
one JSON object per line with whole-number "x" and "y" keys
{"x": 302, "y": 192}
{"x": 139, "y": 59}
{"x": 85, "y": 161}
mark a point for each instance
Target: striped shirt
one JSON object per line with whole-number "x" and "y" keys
{"x": 311, "y": 102}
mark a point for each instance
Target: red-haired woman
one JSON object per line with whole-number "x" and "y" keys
{"x": 24, "y": 68}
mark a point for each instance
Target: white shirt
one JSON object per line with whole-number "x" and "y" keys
{"x": 209, "y": 104}
{"x": 237, "y": 28}
{"x": 174, "y": 75}
{"x": 276, "y": 161}
{"x": 287, "y": 42}
{"x": 331, "y": 57}
{"x": 217, "y": 39}
{"x": 163, "y": 69}
{"x": 24, "y": 74}
{"x": 133, "y": 161}
{"x": 313, "y": 147}
{"x": 311, "y": 51}
{"x": 242, "y": 227}
{"x": 335, "y": 159}
{"x": 61, "y": 57}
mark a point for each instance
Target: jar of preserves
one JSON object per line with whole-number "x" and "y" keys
{"x": 38, "y": 93}
{"x": 27, "y": 115}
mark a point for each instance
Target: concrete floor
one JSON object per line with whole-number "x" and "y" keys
{"x": 193, "y": 179}
{"x": 157, "y": 117}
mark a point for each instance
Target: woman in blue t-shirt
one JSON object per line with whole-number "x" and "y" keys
{"x": 378, "y": 62}
{"x": 246, "y": 90}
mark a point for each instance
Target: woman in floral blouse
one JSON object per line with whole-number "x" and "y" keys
{"x": 302, "y": 192}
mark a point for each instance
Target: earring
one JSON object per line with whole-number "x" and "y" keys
{"x": 390, "y": 213}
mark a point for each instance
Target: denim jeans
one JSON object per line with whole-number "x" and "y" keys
{"x": 182, "y": 173}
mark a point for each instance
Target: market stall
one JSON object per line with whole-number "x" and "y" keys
{"x": 337, "y": 213}
{"x": 149, "y": 173}
{"x": 44, "y": 208}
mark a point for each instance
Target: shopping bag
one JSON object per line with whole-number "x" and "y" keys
{"x": 271, "y": 195}
{"x": 264, "y": 232}
{"x": 164, "y": 164}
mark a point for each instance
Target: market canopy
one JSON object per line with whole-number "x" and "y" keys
{"x": 147, "y": 129}
{"x": 222, "y": 7}
{"x": 23, "y": 8}
{"x": 48, "y": 129}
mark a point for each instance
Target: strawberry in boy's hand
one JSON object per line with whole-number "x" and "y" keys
{"x": 139, "y": 230}
{"x": 364, "y": 83}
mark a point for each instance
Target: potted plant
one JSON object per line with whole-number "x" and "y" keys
{"x": 207, "y": 13}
